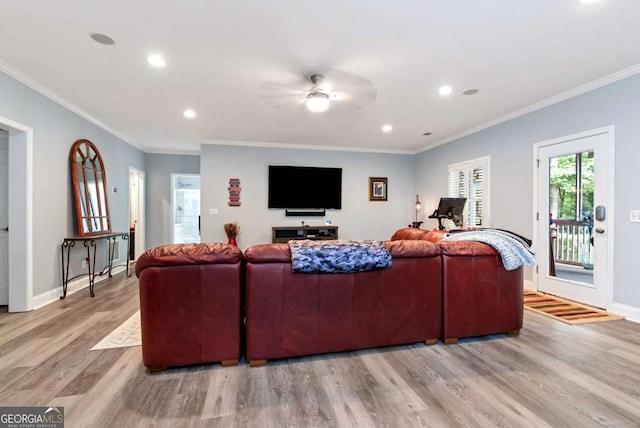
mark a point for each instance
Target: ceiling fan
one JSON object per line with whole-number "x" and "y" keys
{"x": 318, "y": 92}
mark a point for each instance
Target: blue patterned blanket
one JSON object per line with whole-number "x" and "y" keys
{"x": 338, "y": 256}
{"x": 513, "y": 250}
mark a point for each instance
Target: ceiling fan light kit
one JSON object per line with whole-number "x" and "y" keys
{"x": 317, "y": 102}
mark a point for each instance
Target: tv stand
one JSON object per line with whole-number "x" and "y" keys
{"x": 316, "y": 233}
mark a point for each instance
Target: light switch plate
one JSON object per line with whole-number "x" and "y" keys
{"x": 634, "y": 216}
{"x": 213, "y": 211}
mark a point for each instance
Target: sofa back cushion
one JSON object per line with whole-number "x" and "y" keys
{"x": 188, "y": 254}
{"x": 410, "y": 233}
{"x": 279, "y": 253}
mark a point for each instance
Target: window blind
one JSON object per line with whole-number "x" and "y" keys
{"x": 470, "y": 180}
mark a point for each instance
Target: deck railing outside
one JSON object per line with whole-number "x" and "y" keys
{"x": 569, "y": 242}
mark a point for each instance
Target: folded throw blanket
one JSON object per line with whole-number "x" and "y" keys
{"x": 513, "y": 250}
{"x": 338, "y": 256}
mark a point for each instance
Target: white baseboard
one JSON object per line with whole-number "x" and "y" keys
{"x": 78, "y": 284}
{"x": 528, "y": 284}
{"x": 630, "y": 313}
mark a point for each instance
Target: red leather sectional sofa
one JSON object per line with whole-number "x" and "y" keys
{"x": 192, "y": 303}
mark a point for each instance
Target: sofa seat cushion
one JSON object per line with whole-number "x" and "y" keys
{"x": 188, "y": 254}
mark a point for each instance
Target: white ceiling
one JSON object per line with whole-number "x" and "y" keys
{"x": 517, "y": 53}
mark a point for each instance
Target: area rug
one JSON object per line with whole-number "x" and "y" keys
{"x": 125, "y": 335}
{"x": 565, "y": 310}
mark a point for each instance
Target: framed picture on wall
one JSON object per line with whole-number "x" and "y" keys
{"x": 377, "y": 188}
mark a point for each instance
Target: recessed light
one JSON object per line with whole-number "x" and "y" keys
{"x": 103, "y": 39}
{"x": 588, "y": 1}
{"x": 387, "y": 128}
{"x": 156, "y": 60}
{"x": 445, "y": 90}
{"x": 190, "y": 114}
{"x": 470, "y": 92}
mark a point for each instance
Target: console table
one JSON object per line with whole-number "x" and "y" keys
{"x": 89, "y": 243}
{"x": 316, "y": 233}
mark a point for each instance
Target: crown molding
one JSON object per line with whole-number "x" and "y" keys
{"x": 41, "y": 89}
{"x": 595, "y": 84}
{"x": 306, "y": 147}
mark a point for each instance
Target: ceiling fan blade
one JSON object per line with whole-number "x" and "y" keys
{"x": 278, "y": 95}
{"x": 350, "y": 89}
{"x": 273, "y": 88}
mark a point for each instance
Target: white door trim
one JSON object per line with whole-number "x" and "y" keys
{"x": 20, "y": 215}
{"x": 139, "y": 242}
{"x": 610, "y": 132}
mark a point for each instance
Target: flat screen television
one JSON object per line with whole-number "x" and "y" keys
{"x": 305, "y": 187}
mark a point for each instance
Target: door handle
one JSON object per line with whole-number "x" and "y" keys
{"x": 599, "y": 230}
{"x": 6, "y": 229}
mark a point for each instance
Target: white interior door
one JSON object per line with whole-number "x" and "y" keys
{"x": 4, "y": 218}
{"x": 575, "y": 213}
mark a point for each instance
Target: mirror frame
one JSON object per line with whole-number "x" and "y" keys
{"x": 86, "y": 157}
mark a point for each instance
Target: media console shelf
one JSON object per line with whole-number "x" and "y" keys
{"x": 317, "y": 233}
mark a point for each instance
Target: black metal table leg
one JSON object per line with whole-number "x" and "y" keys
{"x": 89, "y": 244}
{"x": 125, "y": 237}
{"x": 65, "y": 265}
{"x": 112, "y": 251}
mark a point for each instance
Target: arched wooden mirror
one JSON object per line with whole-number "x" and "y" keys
{"x": 90, "y": 189}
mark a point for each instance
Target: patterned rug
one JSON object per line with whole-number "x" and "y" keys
{"x": 565, "y": 310}
{"x": 127, "y": 334}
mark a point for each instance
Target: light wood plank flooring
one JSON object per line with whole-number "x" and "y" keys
{"x": 552, "y": 375}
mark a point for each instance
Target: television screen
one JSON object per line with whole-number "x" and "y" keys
{"x": 305, "y": 187}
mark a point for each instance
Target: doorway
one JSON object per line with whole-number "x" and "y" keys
{"x": 19, "y": 266}
{"x": 136, "y": 214}
{"x": 4, "y": 217}
{"x": 185, "y": 208}
{"x": 574, "y": 213}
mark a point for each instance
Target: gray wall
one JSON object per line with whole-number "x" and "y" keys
{"x": 510, "y": 146}
{"x": 158, "y": 194}
{"x": 55, "y": 129}
{"x": 358, "y": 219}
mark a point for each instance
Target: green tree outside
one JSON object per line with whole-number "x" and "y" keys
{"x": 563, "y": 176}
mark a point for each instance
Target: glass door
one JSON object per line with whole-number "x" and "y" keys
{"x": 573, "y": 251}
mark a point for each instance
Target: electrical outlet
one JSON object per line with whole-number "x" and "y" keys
{"x": 213, "y": 211}
{"x": 84, "y": 263}
{"x": 634, "y": 216}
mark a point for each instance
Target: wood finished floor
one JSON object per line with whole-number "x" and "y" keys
{"x": 552, "y": 375}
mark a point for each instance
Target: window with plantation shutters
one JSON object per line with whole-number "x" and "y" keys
{"x": 470, "y": 180}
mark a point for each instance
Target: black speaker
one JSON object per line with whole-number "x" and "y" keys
{"x": 309, "y": 213}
